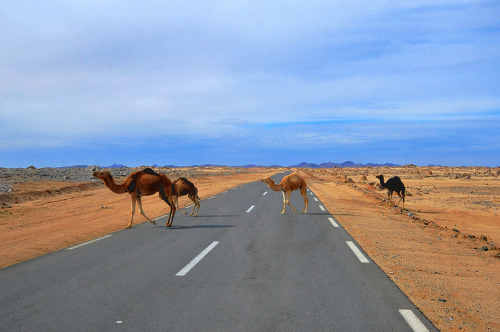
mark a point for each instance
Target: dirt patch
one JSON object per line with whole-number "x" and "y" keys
{"x": 441, "y": 251}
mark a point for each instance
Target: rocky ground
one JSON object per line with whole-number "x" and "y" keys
{"x": 441, "y": 250}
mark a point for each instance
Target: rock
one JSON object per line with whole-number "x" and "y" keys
{"x": 409, "y": 214}
{"x": 92, "y": 168}
{"x": 484, "y": 248}
{"x": 348, "y": 180}
{"x": 443, "y": 300}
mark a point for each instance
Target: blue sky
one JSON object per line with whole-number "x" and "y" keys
{"x": 249, "y": 82}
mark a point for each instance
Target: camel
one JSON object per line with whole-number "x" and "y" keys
{"x": 393, "y": 184}
{"x": 288, "y": 184}
{"x": 183, "y": 186}
{"x": 142, "y": 183}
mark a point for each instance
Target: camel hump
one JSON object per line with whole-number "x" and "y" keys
{"x": 149, "y": 171}
{"x": 186, "y": 180}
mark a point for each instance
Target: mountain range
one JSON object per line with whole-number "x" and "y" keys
{"x": 345, "y": 164}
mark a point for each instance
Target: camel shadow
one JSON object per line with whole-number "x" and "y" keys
{"x": 198, "y": 226}
{"x": 218, "y": 216}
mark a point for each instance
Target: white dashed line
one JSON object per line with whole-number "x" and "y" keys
{"x": 332, "y": 221}
{"x": 315, "y": 199}
{"x": 88, "y": 242}
{"x": 196, "y": 260}
{"x": 264, "y": 193}
{"x": 211, "y": 197}
{"x": 412, "y": 320}
{"x": 357, "y": 252}
{"x": 310, "y": 192}
{"x": 322, "y": 208}
{"x": 250, "y": 209}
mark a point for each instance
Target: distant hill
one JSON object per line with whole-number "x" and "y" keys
{"x": 75, "y": 166}
{"x": 301, "y": 165}
{"x": 340, "y": 165}
{"x": 116, "y": 166}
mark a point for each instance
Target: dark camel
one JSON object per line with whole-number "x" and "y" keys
{"x": 142, "y": 183}
{"x": 288, "y": 184}
{"x": 393, "y": 184}
{"x": 183, "y": 186}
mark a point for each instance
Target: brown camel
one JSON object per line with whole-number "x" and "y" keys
{"x": 183, "y": 186}
{"x": 288, "y": 184}
{"x": 142, "y": 183}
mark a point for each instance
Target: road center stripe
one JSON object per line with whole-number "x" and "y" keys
{"x": 196, "y": 260}
{"x": 88, "y": 242}
{"x": 332, "y": 221}
{"x": 412, "y": 320}
{"x": 322, "y": 208}
{"x": 250, "y": 209}
{"x": 357, "y": 252}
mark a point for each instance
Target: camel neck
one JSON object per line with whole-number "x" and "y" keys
{"x": 274, "y": 186}
{"x": 116, "y": 188}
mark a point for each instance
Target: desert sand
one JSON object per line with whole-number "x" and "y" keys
{"x": 441, "y": 250}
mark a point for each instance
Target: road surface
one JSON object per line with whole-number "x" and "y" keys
{"x": 239, "y": 266}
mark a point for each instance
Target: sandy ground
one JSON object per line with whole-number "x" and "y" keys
{"x": 441, "y": 250}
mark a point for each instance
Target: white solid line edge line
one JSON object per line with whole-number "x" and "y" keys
{"x": 332, "y": 221}
{"x": 357, "y": 252}
{"x": 88, "y": 242}
{"x": 250, "y": 209}
{"x": 196, "y": 260}
{"x": 412, "y": 320}
{"x": 322, "y": 208}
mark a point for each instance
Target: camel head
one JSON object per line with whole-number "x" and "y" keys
{"x": 267, "y": 180}
{"x": 380, "y": 177}
{"x": 101, "y": 174}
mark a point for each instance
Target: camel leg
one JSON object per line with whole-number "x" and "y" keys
{"x": 170, "y": 217}
{"x": 284, "y": 202}
{"x": 176, "y": 202}
{"x": 172, "y": 212}
{"x": 306, "y": 200}
{"x": 142, "y": 212}
{"x": 198, "y": 209}
{"x": 196, "y": 204}
{"x": 400, "y": 198}
{"x": 288, "y": 200}
{"x": 132, "y": 211}
{"x": 389, "y": 197}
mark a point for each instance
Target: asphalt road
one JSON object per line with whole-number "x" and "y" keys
{"x": 239, "y": 266}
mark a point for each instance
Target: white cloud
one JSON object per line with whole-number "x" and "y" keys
{"x": 108, "y": 70}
